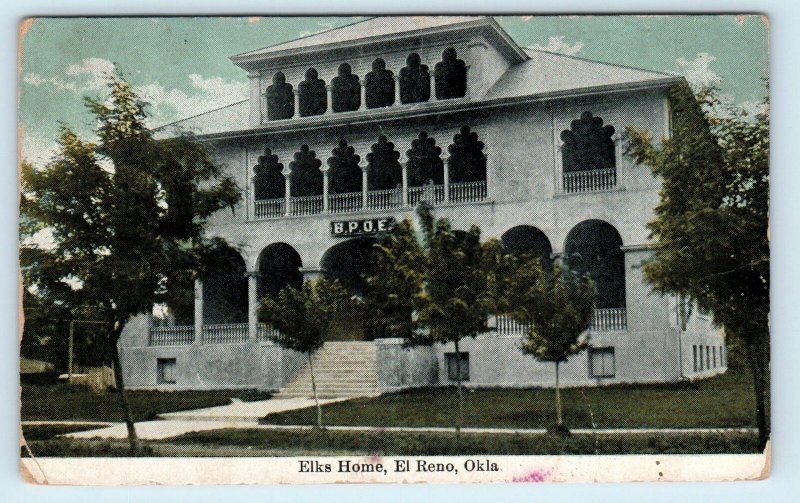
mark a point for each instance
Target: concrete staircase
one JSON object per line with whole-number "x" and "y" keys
{"x": 341, "y": 369}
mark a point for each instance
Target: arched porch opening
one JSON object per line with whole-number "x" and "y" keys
{"x": 528, "y": 239}
{"x": 224, "y": 288}
{"x": 278, "y": 267}
{"x": 348, "y": 262}
{"x": 594, "y": 247}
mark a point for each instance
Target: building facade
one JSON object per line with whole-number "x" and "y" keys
{"x": 349, "y": 130}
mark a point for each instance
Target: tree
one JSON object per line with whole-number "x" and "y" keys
{"x": 394, "y": 283}
{"x": 557, "y": 308}
{"x": 711, "y": 226}
{"x": 125, "y": 216}
{"x": 304, "y": 317}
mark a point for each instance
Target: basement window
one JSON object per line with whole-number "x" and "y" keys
{"x": 166, "y": 371}
{"x": 452, "y": 369}
{"x": 601, "y": 362}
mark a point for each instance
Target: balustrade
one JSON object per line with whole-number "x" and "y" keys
{"x": 306, "y": 205}
{"x": 611, "y": 319}
{"x": 270, "y": 208}
{"x": 225, "y": 334}
{"x": 590, "y": 181}
{"x": 181, "y": 335}
{"x": 468, "y": 192}
{"x": 345, "y": 203}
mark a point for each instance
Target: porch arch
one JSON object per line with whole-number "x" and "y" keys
{"x": 278, "y": 266}
{"x": 594, "y": 247}
{"x": 224, "y": 287}
{"x": 526, "y": 238}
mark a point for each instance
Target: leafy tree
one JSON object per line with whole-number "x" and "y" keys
{"x": 304, "y": 318}
{"x": 394, "y": 283}
{"x": 125, "y": 214}
{"x": 557, "y": 308}
{"x": 711, "y": 226}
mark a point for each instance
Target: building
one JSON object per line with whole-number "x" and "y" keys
{"x": 347, "y": 130}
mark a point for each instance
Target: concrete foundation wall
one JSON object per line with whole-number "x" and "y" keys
{"x": 400, "y": 368}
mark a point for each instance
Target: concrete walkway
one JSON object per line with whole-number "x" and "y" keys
{"x": 237, "y": 414}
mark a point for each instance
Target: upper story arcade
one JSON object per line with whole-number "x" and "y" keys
{"x": 377, "y": 65}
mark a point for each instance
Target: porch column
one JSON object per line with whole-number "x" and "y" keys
{"x": 198, "y": 311}
{"x": 325, "y": 188}
{"x": 397, "y": 90}
{"x": 329, "y": 94}
{"x": 364, "y": 195}
{"x": 618, "y": 159}
{"x": 363, "y": 97}
{"x": 446, "y": 163}
{"x": 287, "y": 174}
{"x": 296, "y": 104}
{"x": 252, "y": 305}
{"x": 405, "y": 183}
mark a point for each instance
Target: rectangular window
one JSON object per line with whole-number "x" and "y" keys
{"x": 166, "y": 371}
{"x": 714, "y": 355}
{"x": 452, "y": 367}
{"x": 708, "y": 357}
{"x": 694, "y": 357}
{"x": 601, "y": 362}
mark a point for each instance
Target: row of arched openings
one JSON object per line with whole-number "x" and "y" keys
{"x": 592, "y": 247}
{"x": 467, "y": 163}
{"x": 450, "y": 77}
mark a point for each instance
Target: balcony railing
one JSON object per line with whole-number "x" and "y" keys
{"x": 266, "y": 333}
{"x": 603, "y": 320}
{"x": 590, "y": 181}
{"x": 225, "y": 334}
{"x": 377, "y": 200}
{"x": 609, "y": 320}
{"x": 181, "y": 335}
{"x": 270, "y": 208}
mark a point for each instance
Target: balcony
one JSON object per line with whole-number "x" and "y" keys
{"x": 373, "y": 200}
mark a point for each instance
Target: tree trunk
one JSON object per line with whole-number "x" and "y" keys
{"x": 758, "y": 363}
{"x": 559, "y": 420}
{"x": 314, "y": 389}
{"x": 133, "y": 439}
{"x": 460, "y": 420}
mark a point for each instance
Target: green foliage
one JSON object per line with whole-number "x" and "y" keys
{"x": 556, "y": 306}
{"x": 711, "y": 226}
{"x": 304, "y": 316}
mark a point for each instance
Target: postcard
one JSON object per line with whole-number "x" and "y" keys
{"x": 394, "y": 249}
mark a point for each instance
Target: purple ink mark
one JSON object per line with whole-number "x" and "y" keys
{"x": 534, "y": 476}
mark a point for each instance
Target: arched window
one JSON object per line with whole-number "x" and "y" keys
{"x": 424, "y": 162}
{"x": 268, "y": 182}
{"x": 467, "y": 162}
{"x": 345, "y": 90}
{"x": 306, "y": 176}
{"x": 594, "y": 247}
{"x": 588, "y": 145}
{"x": 313, "y": 95}
{"x": 451, "y": 76}
{"x": 345, "y": 174}
{"x": 384, "y": 169}
{"x": 278, "y": 267}
{"x": 415, "y": 81}
{"x": 280, "y": 98}
{"x": 379, "y": 85}
{"x": 224, "y": 287}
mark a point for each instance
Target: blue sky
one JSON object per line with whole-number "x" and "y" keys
{"x": 181, "y": 66}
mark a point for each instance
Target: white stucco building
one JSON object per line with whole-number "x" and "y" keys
{"x": 347, "y": 130}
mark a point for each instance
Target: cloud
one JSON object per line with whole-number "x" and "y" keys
{"x": 557, "y": 44}
{"x": 86, "y": 76}
{"x": 208, "y": 93}
{"x": 698, "y": 71}
{"x": 38, "y": 150}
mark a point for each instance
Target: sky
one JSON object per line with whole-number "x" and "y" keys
{"x": 180, "y": 65}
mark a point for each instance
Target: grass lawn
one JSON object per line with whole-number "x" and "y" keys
{"x": 242, "y": 442}
{"x": 721, "y": 401}
{"x": 73, "y": 402}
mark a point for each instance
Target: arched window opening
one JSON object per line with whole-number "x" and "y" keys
{"x": 306, "y": 176}
{"x": 415, "y": 81}
{"x": 588, "y": 145}
{"x": 467, "y": 161}
{"x": 528, "y": 239}
{"x": 451, "y": 76}
{"x": 313, "y": 95}
{"x": 224, "y": 288}
{"x": 345, "y": 90}
{"x": 278, "y": 267}
{"x": 379, "y": 85}
{"x": 594, "y": 247}
{"x": 280, "y": 98}
{"x": 345, "y": 174}
{"x": 383, "y": 166}
{"x": 425, "y": 162}
{"x": 268, "y": 182}
{"x": 348, "y": 262}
